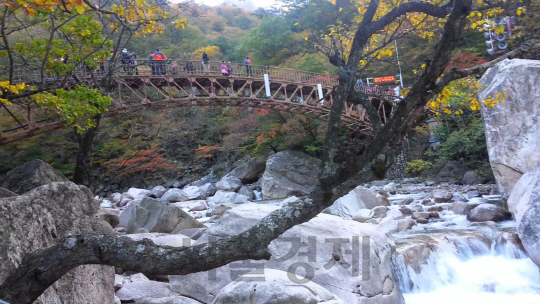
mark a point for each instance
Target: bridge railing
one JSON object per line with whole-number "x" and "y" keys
{"x": 196, "y": 67}
{"x": 173, "y": 67}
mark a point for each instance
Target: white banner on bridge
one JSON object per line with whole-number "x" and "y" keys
{"x": 319, "y": 91}
{"x": 267, "y": 85}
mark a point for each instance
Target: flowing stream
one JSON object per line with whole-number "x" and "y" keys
{"x": 452, "y": 261}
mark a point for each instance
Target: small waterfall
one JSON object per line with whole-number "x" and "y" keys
{"x": 257, "y": 194}
{"x": 468, "y": 271}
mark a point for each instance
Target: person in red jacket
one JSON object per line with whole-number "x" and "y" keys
{"x": 247, "y": 63}
{"x": 160, "y": 59}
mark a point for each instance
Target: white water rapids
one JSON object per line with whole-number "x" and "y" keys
{"x": 465, "y": 270}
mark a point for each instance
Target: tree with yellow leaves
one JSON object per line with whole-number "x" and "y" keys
{"x": 47, "y": 43}
{"x": 210, "y": 50}
{"x": 355, "y": 34}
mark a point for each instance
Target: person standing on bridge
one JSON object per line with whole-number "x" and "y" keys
{"x": 247, "y": 63}
{"x": 206, "y": 62}
{"x": 189, "y": 67}
{"x": 159, "y": 58}
{"x": 124, "y": 59}
{"x": 224, "y": 70}
{"x": 133, "y": 62}
{"x": 151, "y": 63}
{"x": 360, "y": 84}
{"x": 174, "y": 68}
{"x": 229, "y": 68}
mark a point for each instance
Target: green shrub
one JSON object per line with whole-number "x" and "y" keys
{"x": 417, "y": 166}
{"x": 466, "y": 142}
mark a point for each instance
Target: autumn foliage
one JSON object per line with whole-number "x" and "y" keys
{"x": 207, "y": 151}
{"x": 465, "y": 60}
{"x": 150, "y": 160}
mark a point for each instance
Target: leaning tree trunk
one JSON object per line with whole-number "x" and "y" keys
{"x": 84, "y": 154}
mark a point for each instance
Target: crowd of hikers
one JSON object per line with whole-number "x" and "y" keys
{"x": 160, "y": 65}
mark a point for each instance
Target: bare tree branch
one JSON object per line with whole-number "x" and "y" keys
{"x": 6, "y": 43}
{"x": 44, "y": 267}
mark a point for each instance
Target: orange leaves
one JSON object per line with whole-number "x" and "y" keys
{"x": 259, "y": 138}
{"x": 207, "y": 151}
{"x": 262, "y": 112}
{"x": 133, "y": 162}
{"x": 464, "y": 60}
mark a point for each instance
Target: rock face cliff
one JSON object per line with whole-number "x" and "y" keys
{"x": 289, "y": 173}
{"x": 512, "y": 128}
{"x": 524, "y": 203}
{"x": 39, "y": 218}
{"x": 29, "y": 176}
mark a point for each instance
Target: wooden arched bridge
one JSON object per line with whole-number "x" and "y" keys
{"x": 161, "y": 85}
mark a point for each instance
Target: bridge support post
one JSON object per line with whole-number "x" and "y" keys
{"x": 31, "y": 118}
{"x": 267, "y": 85}
{"x": 319, "y": 92}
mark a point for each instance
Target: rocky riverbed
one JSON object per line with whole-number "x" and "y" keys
{"x": 403, "y": 241}
{"x": 425, "y": 239}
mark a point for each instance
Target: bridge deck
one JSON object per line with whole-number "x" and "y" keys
{"x": 163, "y": 85}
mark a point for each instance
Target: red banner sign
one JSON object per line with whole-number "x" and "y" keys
{"x": 384, "y": 79}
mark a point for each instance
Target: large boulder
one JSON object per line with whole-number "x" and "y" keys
{"x": 156, "y": 216}
{"x": 208, "y": 189}
{"x": 223, "y": 197}
{"x": 194, "y": 192}
{"x": 174, "y": 195}
{"x": 462, "y": 208}
{"x": 357, "y": 199}
{"x": 6, "y": 193}
{"x": 452, "y": 170}
{"x": 146, "y": 292}
{"x": 250, "y": 170}
{"x": 441, "y": 196}
{"x": 289, "y": 173}
{"x": 363, "y": 215}
{"x": 40, "y": 218}
{"x": 229, "y": 182}
{"x": 357, "y": 284}
{"x": 394, "y": 226}
{"x": 346, "y": 206}
{"x": 488, "y": 212}
{"x": 172, "y": 299}
{"x": 524, "y": 203}
{"x": 110, "y": 216}
{"x": 247, "y": 192}
{"x": 471, "y": 177}
{"x": 390, "y": 188}
{"x": 158, "y": 191}
{"x": 29, "y": 176}
{"x": 277, "y": 288}
{"x": 513, "y": 128}
{"x": 138, "y": 193}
